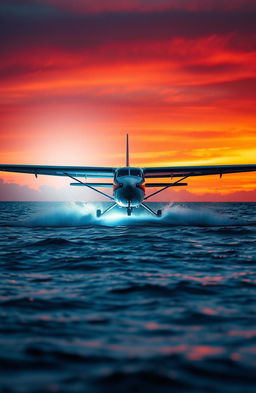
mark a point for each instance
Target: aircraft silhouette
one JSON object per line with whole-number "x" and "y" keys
{"x": 129, "y": 183}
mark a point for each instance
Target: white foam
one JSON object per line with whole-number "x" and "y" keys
{"x": 180, "y": 215}
{"x": 73, "y": 214}
{"x": 70, "y": 214}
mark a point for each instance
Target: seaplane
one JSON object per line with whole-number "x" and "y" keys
{"x": 129, "y": 183}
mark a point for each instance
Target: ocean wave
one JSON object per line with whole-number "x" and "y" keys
{"x": 52, "y": 241}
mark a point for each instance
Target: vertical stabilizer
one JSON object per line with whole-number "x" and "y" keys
{"x": 127, "y": 150}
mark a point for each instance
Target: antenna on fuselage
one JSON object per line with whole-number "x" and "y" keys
{"x": 127, "y": 150}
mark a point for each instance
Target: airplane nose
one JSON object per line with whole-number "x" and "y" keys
{"x": 129, "y": 194}
{"x": 129, "y": 191}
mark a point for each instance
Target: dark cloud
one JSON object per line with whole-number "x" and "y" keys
{"x": 240, "y": 89}
{"x": 17, "y": 70}
{"x": 41, "y": 26}
{"x": 187, "y": 196}
{"x": 97, "y": 6}
{"x": 212, "y": 68}
{"x": 14, "y": 192}
{"x": 19, "y": 3}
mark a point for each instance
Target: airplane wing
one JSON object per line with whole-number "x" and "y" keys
{"x": 101, "y": 172}
{"x": 76, "y": 171}
{"x": 188, "y": 171}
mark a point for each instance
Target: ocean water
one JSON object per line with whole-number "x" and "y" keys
{"x": 127, "y": 304}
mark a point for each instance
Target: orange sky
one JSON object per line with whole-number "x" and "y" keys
{"x": 178, "y": 76}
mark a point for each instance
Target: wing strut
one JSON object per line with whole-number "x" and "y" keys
{"x": 87, "y": 185}
{"x": 164, "y": 188}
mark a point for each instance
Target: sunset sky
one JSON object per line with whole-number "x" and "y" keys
{"x": 178, "y": 75}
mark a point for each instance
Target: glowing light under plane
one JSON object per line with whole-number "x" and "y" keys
{"x": 129, "y": 183}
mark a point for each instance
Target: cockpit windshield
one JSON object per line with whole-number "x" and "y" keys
{"x": 129, "y": 172}
{"x": 135, "y": 172}
{"x": 123, "y": 172}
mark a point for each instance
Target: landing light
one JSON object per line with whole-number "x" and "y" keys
{"x": 114, "y": 217}
{"x": 121, "y": 218}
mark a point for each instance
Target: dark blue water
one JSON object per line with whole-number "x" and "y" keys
{"x": 126, "y": 304}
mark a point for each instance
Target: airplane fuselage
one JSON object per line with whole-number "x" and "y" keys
{"x": 128, "y": 189}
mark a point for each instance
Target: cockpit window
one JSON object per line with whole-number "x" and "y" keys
{"x": 135, "y": 172}
{"x": 129, "y": 171}
{"x": 123, "y": 172}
